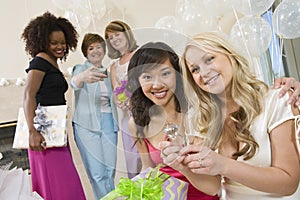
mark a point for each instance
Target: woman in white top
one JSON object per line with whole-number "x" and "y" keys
{"x": 240, "y": 117}
{"x": 121, "y": 45}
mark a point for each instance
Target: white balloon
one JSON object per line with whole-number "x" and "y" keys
{"x": 227, "y": 21}
{"x": 84, "y": 16}
{"x": 175, "y": 39}
{"x": 99, "y": 8}
{"x": 218, "y": 8}
{"x": 66, "y": 4}
{"x": 253, "y": 34}
{"x": 286, "y": 19}
{"x": 252, "y": 7}
{"x": 193, "y": 18}
{"x": 168, "y": 22}
{"x": 167, "y": 27}
{"x": 73, "y": 18}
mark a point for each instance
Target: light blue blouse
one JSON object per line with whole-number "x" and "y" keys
{"x": 87, "y": 101}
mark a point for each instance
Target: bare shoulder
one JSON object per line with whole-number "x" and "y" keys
{"x": 112, "y": 66}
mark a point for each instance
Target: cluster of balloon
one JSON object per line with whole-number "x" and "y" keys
{"x": 82, "y": 13}
{"x": 189, "y": 20}
{"x": 252, "y": 32}
{"x": 286, "y": 19}
{"x": 286, "y": 24}
{"x": 248, "y": 29}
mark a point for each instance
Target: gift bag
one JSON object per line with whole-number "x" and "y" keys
{"x": 50, "y": 121}
{"x": 150, "y": 184}
{"x": 17, "y": 185}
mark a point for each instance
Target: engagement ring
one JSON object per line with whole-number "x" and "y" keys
{"x": 200, "y": 160}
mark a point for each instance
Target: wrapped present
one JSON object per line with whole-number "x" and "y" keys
{"x": 50, "y": 121}
{"x": 150, "y": 184}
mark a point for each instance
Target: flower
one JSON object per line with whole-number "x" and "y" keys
{"x": 149, "y": 188}
{"x": 122, "y": 94}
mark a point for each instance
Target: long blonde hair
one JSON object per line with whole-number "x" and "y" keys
{"x": 246, "y": 90}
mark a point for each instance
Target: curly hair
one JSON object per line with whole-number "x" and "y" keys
{"x": 90, "y": 38}
{"x": 36, "y": 34}
{"x": 148, "y": 56}
{"x": 119, "y": 26}
{"x": 210, "y": 113}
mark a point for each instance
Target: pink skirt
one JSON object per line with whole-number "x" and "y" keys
{"x": 53, "y": 174}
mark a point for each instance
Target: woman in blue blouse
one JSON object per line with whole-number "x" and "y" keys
{"x": 95, "y": 118}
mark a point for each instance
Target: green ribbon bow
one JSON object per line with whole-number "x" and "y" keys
{"x": 150, "y": 188}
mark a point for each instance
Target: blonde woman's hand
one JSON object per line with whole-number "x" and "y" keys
{"x": 202, "y": 160}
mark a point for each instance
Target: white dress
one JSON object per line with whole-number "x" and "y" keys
{"x": 276, "y": 112}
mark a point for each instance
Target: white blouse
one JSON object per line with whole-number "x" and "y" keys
{"x": 276, "y": 111}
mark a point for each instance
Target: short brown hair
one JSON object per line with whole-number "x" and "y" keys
{"x": 89, "y": 39}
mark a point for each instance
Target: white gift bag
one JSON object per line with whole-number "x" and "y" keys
{"x": 16, "y": 185}
{"x": 51, "y": 121}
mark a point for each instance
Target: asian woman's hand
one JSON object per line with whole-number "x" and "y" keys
{"x": 170, "y": 155}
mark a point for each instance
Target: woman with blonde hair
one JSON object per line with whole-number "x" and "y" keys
{"x": 251, "y": 129}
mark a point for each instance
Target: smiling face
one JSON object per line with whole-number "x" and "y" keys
{"x": 118, "y": 41}
{"x": 211, "y": 71}
{"x": 95, "y": 53}
{"x": 57, "y": 45}
{"x": 159, "y": 83}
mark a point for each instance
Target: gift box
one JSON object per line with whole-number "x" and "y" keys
{"x": 174, "y": 188}
{"x": 50, "y": 121}
{"x": 150, "y": 184}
